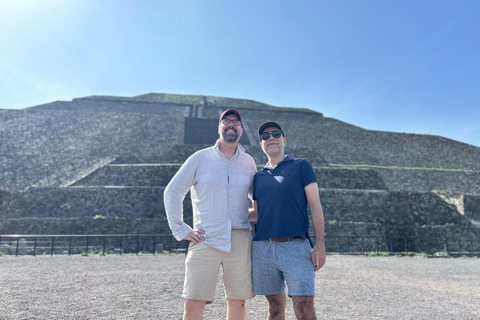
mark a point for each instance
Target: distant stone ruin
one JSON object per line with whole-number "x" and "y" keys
{"x": 99, "y": 165}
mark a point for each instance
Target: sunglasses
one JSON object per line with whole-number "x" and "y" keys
{"x": 275, "y": 133}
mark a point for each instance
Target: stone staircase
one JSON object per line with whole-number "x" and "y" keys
{"x": 128, "y": 199}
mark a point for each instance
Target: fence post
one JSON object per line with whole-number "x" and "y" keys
{"x": 446, "y": 246}
{"x": 104, "y": 243}
{"x": 121, "y": 245}
{"x": 16, "y": 249}
{"x": 138, "y": 244}
{"x": 34, "y": 246}
{"x": 70, "y": 246}
{"x": 86, "y": 248}
{"x": 154, "y": 244}
{"x": 53, "y": 243}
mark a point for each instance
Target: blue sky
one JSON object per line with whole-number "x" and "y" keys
{"x": 402, "y": 66}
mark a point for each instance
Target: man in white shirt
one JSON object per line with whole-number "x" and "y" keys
{"x": 219, "y": 179}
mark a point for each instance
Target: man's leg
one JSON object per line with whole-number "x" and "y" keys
{"x": 299, "y": 272}
{"x": 304, "y": 308}
{"x": 193, "y": 309}
{"x": 201, "y": 274}
{"x": 237, "y": 274}
{"x": 276, "y": 306}
{"x": 236, "y": 310}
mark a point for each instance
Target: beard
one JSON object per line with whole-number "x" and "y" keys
{"x": 230, "y": 138}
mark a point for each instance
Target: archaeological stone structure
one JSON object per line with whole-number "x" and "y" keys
{"x": 100, "y": 164}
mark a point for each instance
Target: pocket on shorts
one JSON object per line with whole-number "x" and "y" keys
{"x": 307, "y": 249}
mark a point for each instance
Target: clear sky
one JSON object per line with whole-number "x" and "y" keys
{"x": 402, "y": 66}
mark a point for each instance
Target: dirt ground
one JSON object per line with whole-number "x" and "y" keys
{"x": 149, "y": 287}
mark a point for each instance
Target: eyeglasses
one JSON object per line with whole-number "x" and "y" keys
{"x": 275, "y": 133}
{"x": 234, "y": 122}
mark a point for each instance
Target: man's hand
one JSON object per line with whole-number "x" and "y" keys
{"x": 319, "y": 256}
{"x": 195, "y": 236}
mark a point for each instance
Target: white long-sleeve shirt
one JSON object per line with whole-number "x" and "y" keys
{"x": 219, "y": 190}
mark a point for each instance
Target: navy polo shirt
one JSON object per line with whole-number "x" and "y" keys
{"x": 281, "y": 199}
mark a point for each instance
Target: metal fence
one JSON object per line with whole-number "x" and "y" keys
{"x": 155, "y": 243}
{"x": 89, "y": 244}
{"x": 402, "y": 245}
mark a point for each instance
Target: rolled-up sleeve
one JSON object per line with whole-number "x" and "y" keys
{"x": 174, "y": 195}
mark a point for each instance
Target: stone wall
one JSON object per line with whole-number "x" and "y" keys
{"x": 390, "y": 216}
{"x": 338, "y": 178}
{"x": 201, "y": 131}
{"x": 3, "y": 195}
{"x": 53, "y": 148}
{"x": 90, "y": 210}
{"x": 360, "y": 237}
{"x": 403, "y": 208}
{"x": 430, "y": 180}
{"x": 472, "y": 207}
{"x": 72, "y": 143}
{"x": 342, "y": 143}
{"x": 160, "y": 175}
{"x": 57, "y": 143}
{"x": 131, "y": 175}
{"x": 84, "y": 225}
{"x": 108, "y": 202}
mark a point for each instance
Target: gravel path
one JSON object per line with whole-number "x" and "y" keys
{"x": 149, "y": 287}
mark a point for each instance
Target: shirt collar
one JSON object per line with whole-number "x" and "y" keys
{"x": 240, "y": 148}
{"x": 287, "y": 158}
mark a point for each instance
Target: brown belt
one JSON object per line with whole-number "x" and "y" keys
{"x": 283, "y": 239}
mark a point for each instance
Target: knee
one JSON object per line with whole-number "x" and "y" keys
{"x": 275, "y": 305}
{"x": 275, "y": 308}
{"x": 304, "y": 309}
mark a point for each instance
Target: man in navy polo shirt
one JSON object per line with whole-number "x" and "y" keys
{"x": 282, "y": 252}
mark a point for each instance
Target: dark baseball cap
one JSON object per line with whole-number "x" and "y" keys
{"x": 230, "y": 111}
{"x": 267, "y": 125}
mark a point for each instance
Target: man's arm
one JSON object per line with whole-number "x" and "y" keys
{"x": 253, "y": 212}
{"x": 319, "y": 255}
{"x": 173, "y": 197}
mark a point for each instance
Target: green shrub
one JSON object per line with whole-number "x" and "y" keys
{"x": 378, "y": 254}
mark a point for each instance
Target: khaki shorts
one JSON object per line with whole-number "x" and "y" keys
{"x": 203, "y": 264}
